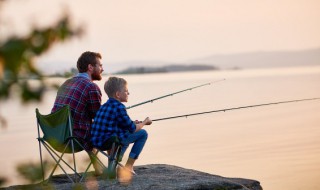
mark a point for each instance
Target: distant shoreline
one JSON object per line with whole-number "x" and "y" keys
{"x": 166, "y": 69}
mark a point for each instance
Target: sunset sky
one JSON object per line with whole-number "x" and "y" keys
{"x": 168, "y": 30}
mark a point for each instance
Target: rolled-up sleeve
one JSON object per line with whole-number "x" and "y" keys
{"x": 125, "y": 123}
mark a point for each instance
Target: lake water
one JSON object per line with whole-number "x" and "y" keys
{"x": 278, "y": 145}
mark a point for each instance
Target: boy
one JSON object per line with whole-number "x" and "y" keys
{"x": 112, "y": 119}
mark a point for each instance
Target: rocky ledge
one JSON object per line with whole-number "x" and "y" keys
{"x": 155, "y": 176}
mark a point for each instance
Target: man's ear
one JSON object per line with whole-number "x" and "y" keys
{"x": 90, "y": 67}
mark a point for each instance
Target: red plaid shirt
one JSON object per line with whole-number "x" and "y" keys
{"x": 84, "y": 98}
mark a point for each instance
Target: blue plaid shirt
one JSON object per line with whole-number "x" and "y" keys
{"x": 110, "y": 120}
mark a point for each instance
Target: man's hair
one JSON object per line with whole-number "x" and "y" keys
{"x": 114, "y": 84}
{"x": 87, "y": 58}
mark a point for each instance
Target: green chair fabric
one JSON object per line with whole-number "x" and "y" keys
{"x": 57, "y": 139}
{"x": 57, "y": 130}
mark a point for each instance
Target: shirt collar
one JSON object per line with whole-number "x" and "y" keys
{"x": 113, "y": 99}
{"x": 86, "y": 75}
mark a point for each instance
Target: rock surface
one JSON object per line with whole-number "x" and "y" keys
{"x": 155, "y": 176}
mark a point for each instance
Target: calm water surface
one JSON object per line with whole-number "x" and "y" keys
{"x": 277, "y": 145}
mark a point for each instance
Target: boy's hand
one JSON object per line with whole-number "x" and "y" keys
{"x": 137, "y": 121}
{"x": 147, "y": 121}
{"x": 139, "y": 124}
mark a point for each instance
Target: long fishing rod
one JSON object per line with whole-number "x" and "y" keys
{"x": 152, "y": 100}
{"x": 235, "y": 108}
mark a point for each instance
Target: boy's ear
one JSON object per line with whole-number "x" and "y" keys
{"x": 117, "y": 94}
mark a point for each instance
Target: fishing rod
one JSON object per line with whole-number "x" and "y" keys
{"x": 152, "y": 100}
{"x": 235, "y": 108}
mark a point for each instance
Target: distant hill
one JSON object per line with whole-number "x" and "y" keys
{"x": 263, "y": 59}
{"x": 166, "y": 69}
{"x": 226, "y": 61}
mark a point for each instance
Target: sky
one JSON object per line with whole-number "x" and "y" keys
{"x": 167, "y": 30}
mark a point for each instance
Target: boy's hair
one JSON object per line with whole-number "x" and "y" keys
{"x": 87, "y": 58}
{"x": 114, "y": 84}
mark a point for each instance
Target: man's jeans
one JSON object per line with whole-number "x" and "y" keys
{"x": 138, "y": 139}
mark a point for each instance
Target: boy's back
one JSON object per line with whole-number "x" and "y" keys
{"x": 111, "y": 120}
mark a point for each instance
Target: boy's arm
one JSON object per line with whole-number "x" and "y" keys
{"x": 123, "y": 119}
{"x": 139, "y": 125}
{"x": 126, "y": 123}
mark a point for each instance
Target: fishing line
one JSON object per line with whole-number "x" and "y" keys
{"x": 152, "y": 100}
{"x": 235, "y": 108}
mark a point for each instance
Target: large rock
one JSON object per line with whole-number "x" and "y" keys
{"x": 156, "y": 176}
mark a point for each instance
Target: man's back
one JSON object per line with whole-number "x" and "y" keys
{"x": 84, "y": 98}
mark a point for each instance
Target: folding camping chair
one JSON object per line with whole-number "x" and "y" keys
{"x": 58, "y": 138}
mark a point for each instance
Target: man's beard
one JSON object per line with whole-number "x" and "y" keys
{"x": 96, "y": 76}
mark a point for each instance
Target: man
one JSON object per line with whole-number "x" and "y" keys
{"x": 84, "y": 98}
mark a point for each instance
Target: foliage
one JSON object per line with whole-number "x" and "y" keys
{"x": 2, "y": 180}
{"x": 17, "y": 54}
{"x": 32, "y": 172}
{"x": 78, "y": 186}
{"x": 66, "y": 74}
{"x": 17, "y": 67}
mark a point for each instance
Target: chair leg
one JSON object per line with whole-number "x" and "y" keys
{"x": 113, "y": 161}
{"x": 85, "y": 172}
{"x": 74, "y": 161}
{"x": 42, "y": 169}
{"x": 96, "y": 159}
{"x": 57, "y": 164}
{"x": 48, "y": 147}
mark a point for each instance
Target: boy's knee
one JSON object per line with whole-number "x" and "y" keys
{"x": 144, "y": 133}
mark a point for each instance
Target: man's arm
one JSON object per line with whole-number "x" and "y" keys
{"x": 94, "y": 100}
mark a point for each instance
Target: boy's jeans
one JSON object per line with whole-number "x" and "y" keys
{"x": 138, "y": 139}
